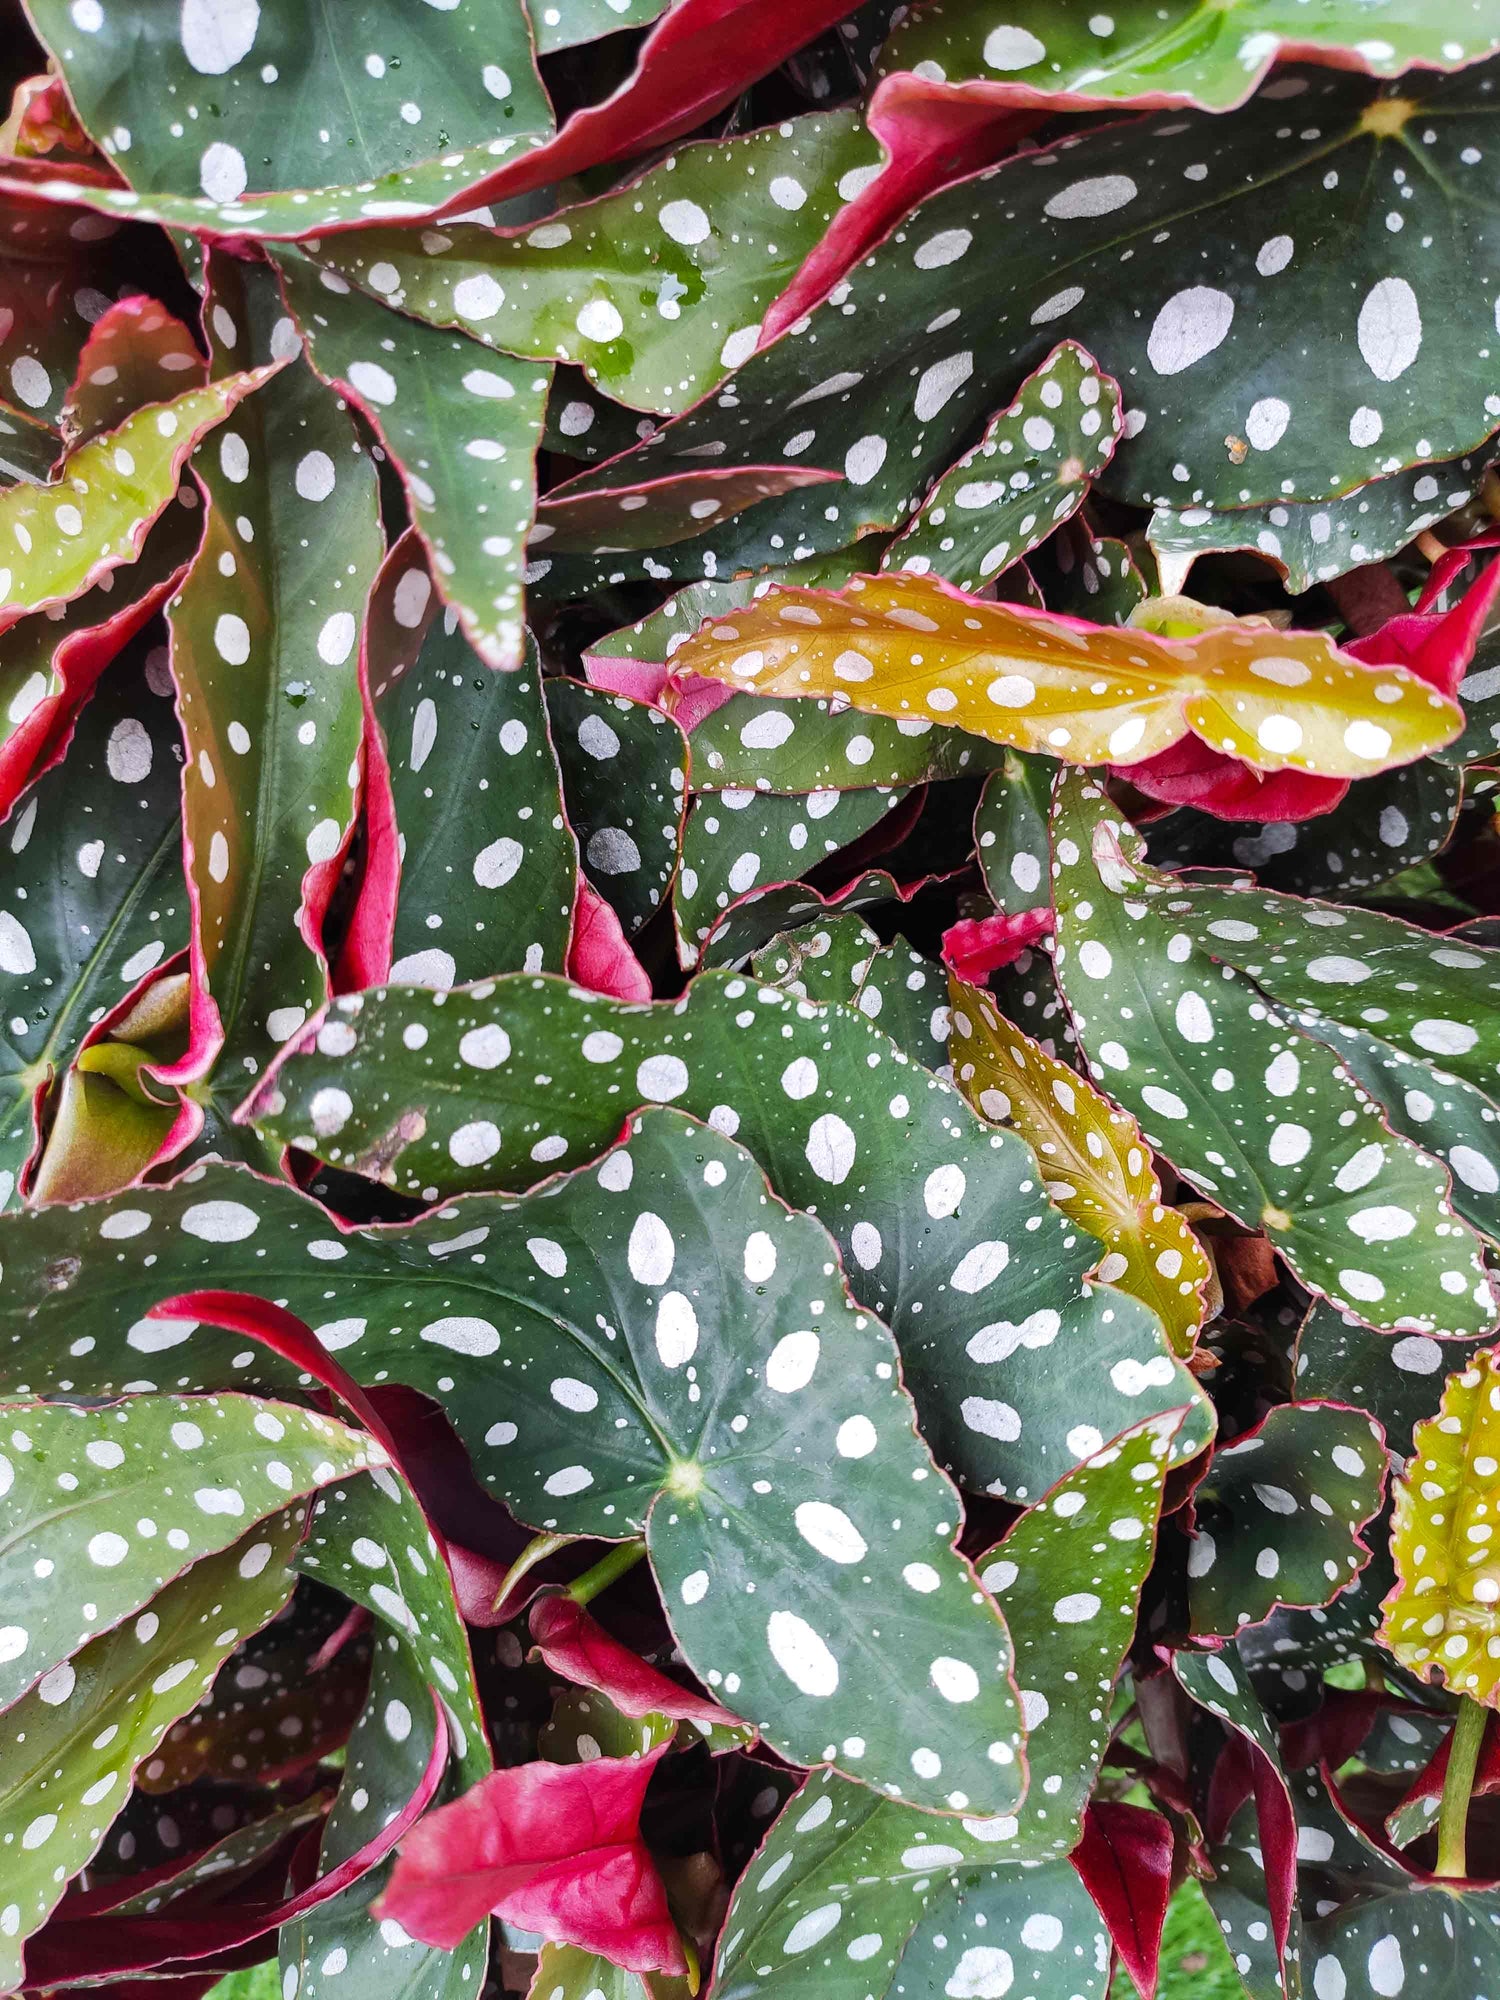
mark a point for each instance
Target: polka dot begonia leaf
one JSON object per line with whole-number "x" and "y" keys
{"x": 1311, "y": 541}
{"x": 208, "y": 100}
{"x": 1397, "y": 1381}
{"x": 61, "y": 266}
{"x": 625, "y": 778}
{"x": 1411, "y": 1013}
{"x": 196, "y": 1470}
{"x": 336, "y": 1947}
{"x": 1441, "y": 1620}
{"x": 70, "y": 1750}
{"x": 470, "y": 864}
{"x": 437, "y": 1093}
{"x": 1328, "y": 385}
{"x": 738, "y": 840}
{"x": 1418, "y": 1938}
{"x": 1238, "y": 1899}
{"x": 1381, "y": 827}
{"x": 50, "y": 659}
{"x": 566, "y": 1338}
{"x": 1095, "y": 1529}
{"x": 265, "y": 645}
{"x": 853, "y": 1898}
{"x": 842, "y": 960}
{"x": 1358, "y": 1212}
{"x": 912, "y": 648}
{"x": 817, "y": 746}
{"x": 1099, "y": 1169}
{"x": 368, "y": 1540}
{"x": 1146, "y": 52}
{"x": 656, "y": 290}
{"x": 470, "y": 483}
{"x": 58, "y": 540}
{"x": 761, "y": 914}
{"x": 137, "y": 353}
{"x": 827, "y": 961}
{"x": 1278, "y": 1514}
{"x": 1011, "y": 841}
{"x": 92, "y": 895}
{"x": 659, "y": 511}
{"x": 1030, "y": 472}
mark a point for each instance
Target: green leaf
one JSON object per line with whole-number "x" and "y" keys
{"x": 265, "y": 642}
{"x": 1383, "y": 825}
{"x": 1202, "y": 354}
{"x": 625, "y": 776}
{"x": 1030, "y": 472}
{"x": 470, "y": 480}
{"x": 1278, "y": 1515}
{"x": 91, "y": 890}
{"x": 656, "y": 290}
{"x": 368, "y": 1540}
{"x": 71, "y": 1747}
{"x": 849, "y": 1892}
{"x": 1367, "y": 1950}
{"x": 485, "y": 867}
{"x": 1398, "y": 1381}
{"x": 66, "y": 536}
{"x": 916, "y": 1190}
{"x": 298, "y": 101}
{"x": 1295, "y": 1147}
{"x": 822, "y": 962}
{"x": 1069, "y": 1577}
{"x": 616, "y": 1417}
{"x": 821, "y": 745}
{"x": 1010, "y": 832}
{"x": 1155, "y": 53}
{"x": 737, "y": 841}
{"x": 196, "y": 1471}
{"x": 339, "y": 1946}
{"x": 1400, "y": 1007}
{"x": 1310, "y": 541}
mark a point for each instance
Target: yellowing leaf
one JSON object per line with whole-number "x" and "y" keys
{"x": 911, "y": 646}
{"x": 1097, "y": 1166}
{"x": 58, "y": 540}
{"x": 1442, "y": 1620}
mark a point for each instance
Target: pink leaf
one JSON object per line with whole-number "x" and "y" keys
{"x": 598, "y": 955}
{"x": 932, "y": 135}
{"x": 1125, "y": 1862}
{"x": 698, "y": 58}
{"x": 1191, "y": 774}
{"x": 553, "y": 1848}
{"x": 1436, "y": 646}
{"x": 686, "y": 697}
{"x": 977, "y": 946}
{"x": 578, "y": 1647}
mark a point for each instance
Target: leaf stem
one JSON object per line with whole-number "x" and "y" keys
{"x": 623, "y": 1557}
{"x": 1458, "y": 1782}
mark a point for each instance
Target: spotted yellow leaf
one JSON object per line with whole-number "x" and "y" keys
{"x": 913, "y": 647}
{"x": 60, "y": 539}
{"x": 1097, "y": 1166}
{"x": 1442, "y": 1620}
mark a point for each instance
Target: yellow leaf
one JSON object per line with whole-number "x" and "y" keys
{"x": 1096, "y": 1164}
{"x": 1442, "y": 1620}
{"x": 913, "y": 647}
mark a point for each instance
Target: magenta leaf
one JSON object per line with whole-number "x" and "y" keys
{"x": 554, "y": 1848}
